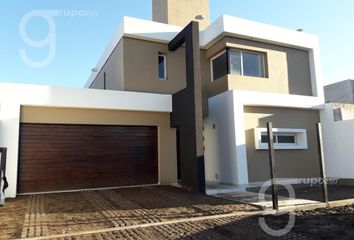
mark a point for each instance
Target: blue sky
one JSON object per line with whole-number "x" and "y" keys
{"x": 80, "y": 40}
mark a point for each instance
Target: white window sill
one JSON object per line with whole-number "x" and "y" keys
{"x": 264, "y": 146}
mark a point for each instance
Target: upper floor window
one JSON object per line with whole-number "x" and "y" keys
{"x": 238, "y": 62}
{"x": 162, "y": 66}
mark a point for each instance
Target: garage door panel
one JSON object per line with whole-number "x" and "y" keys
{"x": 67, "y": 157}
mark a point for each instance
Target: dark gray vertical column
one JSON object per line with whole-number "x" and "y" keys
{"x": 272, "y": 165}
{"x": 187, "y": 113}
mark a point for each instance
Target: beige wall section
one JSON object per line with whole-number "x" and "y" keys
{"x": 181, "y": 12}
{"x": 288, "y": 69}
{"x": 141, "y": 67}
{"x": 114, "y": 71}
{"x": 289, "y": 163}
{"x": 166, "y": 135}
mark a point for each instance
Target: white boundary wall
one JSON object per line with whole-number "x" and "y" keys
{"x": 338, "y": 141}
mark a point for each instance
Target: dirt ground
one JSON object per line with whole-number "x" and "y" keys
{"x": 334, "y": 223}
{"x": 48, "y": 214}
{"x": 71, "y": 213}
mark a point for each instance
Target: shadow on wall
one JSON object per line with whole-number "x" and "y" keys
{"x": 220, "y": 150}
{"x": 289, "y": 163}
{"x": 299, "y": 75}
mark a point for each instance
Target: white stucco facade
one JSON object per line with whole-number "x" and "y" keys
{"x": 224, "y": 131}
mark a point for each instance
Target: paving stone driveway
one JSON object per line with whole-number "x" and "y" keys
{"x": 134, "y": 213}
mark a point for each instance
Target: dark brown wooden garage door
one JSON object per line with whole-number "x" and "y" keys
{"x": 67, "y": 157}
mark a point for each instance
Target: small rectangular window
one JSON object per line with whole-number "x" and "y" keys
{"x": 162, "y": 67}
{"x": 282, "y": 138}
{"x": 337, "y": 114}
{"x": 104, "y": 80}
{"x": 264, "y": 138}
{"x": 286, "y": 139}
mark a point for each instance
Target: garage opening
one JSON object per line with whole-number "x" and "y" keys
{"x": 60, "y": 157}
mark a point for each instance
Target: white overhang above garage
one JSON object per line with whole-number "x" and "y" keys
{"x": 36, "y": 95}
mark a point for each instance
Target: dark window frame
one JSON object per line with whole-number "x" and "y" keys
{"x": 276, "y": 135}
{"x": 263, "y": 56}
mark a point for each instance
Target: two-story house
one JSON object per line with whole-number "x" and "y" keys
{"x": 228, "y": 79}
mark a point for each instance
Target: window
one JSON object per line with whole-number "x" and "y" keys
{"x": 162, "y": 67}
{"x": 283, "y": 138}
{"x": 280, "y": 138}
{"x": 237, "y": 62}
{"x": 337, "y": 114}
{"x": 219, "y": 65}
{"x": 286, "y": 138}
{"x": 264, "y": 138}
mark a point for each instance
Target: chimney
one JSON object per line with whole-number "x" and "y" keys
{"x": 181, "y": 12}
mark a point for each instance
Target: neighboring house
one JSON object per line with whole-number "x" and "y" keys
{"x": 340, "y": 92}
{"x": 236, "y": 75}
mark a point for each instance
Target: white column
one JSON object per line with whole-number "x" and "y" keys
{"x": 316, "y": 76}
{"x": 9, "y": 138}
{"x": 241, "y": 155}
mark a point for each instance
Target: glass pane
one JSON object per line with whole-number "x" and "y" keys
{"x": 264, "y": 138}
{"x": 219, "y": 66}
{"x": 252, "y": 64}
{"x": 161, "y": 63}
{"x": 235, "y": 62}
{"x": 286, "y": 139}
